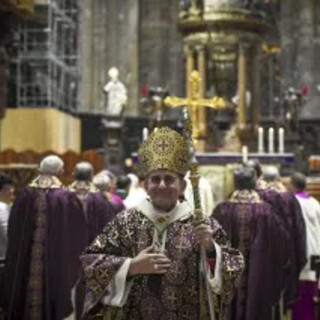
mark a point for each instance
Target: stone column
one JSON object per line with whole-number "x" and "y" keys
{"x": 202, "y": 112}
{"x": 85, "y": 48}
{"x": 300, "y": 42}
{"x": 242, "y": 85}
{"x": 160, "y": 47}
{"x": 109, "y": 37}
{"x": 255, "y": 84}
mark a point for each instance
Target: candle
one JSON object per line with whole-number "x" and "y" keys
{"x": 281, "y": 140}
{"x": 260, "y": 140}
{"x": 244, "y": 154}
{"x": 155, "y": 129}
{"x": 159, "y": 115}
{"x": 271, "y": 140}
{"x": 145, "y": 133}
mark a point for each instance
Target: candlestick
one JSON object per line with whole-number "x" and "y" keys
{"x": 244, "y": 154}
{"x": 271, "y": 140}
{"x": 260, "y": 140}
{"x": 145, "y": 134}
{"x": 281, "y": 140}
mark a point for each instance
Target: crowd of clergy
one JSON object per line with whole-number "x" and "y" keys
{"x": 54, "y": 240}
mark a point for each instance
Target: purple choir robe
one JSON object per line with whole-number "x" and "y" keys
{"x": 46, "y": 235}
{"x": 117, "y": 207}
{"x": 288, "y": 210}
{"x": 96, "y": 210}
{"x": 253, "y": 228}
{"x": 179, "y": 294}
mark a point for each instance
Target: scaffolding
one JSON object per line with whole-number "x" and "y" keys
{"x": 47, "y": 64}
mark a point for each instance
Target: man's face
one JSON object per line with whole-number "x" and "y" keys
{"x": 164, "y": 188}
{"x": 7, "y": 193}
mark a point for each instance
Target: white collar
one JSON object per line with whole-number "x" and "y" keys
{"x": 181, "y": 211}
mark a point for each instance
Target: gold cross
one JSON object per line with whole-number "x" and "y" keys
{"x": 194, "y": 102}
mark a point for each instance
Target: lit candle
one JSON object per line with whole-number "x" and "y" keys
{"x": 244, "y": 154}
{"x": 145, "y": 133}
{"x": 260, "y": 140}
{"x": 155, "y": 129}
{"x": 271, "y": 140}
{"x": 281, "y": 140}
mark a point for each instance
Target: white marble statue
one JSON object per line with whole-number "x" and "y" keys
{"x": 116, "y": 93}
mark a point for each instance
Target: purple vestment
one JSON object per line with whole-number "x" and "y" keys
{"x": 45, "y": 238}
{"x": 305, "y": 307}
{"x": 179, "y": 294}
{"x": 117, "y": 207}
{"x": 97, "y": 210}
{"x": 255, "y": 230}
{"x": 288, "y": 210}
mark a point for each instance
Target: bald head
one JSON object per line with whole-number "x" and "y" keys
{"x": 271, "y": 174}
{"x": 83, "y": 171}
{"x": 51, "y": 165}
{"x": 255, "y": 164}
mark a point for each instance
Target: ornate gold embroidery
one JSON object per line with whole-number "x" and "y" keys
{"x": 277, "y": 186}
{"x": 165, "y": 149}
{"x": 245, "y": 196}
{"x": 261, "y": 184}
{"x": 46, "y": 182}
{"x": 35, "y": 283}
{"x": 82, "y": 188}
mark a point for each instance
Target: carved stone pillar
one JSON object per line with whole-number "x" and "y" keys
{"x": 255, "y": 85}
{"x": 242, "y": 84}
{"x": 202, "y": 114}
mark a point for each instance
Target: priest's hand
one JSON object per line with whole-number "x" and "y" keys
{"x": 203, "y": 234}
{"x": 147, "y": 262}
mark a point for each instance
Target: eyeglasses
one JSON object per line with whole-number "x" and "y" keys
{"x": 167, "y": 179}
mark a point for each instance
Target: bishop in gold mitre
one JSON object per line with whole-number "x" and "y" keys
{"x": 147, "y": 263}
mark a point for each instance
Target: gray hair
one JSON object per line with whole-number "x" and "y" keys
{"x": 51, "y": 165}
{"x": 271, "y": 174}
{"x": 83, "y": 171}
{"x": 102, "y": 182}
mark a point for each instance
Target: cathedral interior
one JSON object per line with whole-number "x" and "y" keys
{"x": 247, "y": 71}
{"x": 85, "y": 83}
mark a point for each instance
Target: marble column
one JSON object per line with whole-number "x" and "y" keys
{"x": 161, "y": 47}
{"x": 109, "y": 37}
{"x": 242, "y": 87}
{"x": 300, "y": 42}
{"x": 255, "y": 84}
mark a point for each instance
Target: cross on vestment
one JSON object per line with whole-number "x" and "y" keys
{"x": 172, "y": 297}
{"x": 129, "y": 233}
{"x": 182, "y": 245}
{"x": 193, "y": 101}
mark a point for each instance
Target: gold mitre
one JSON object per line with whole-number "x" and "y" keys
{"x": 164, "y": 149}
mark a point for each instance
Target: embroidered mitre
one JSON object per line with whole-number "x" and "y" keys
{"x": 164, "y": 149}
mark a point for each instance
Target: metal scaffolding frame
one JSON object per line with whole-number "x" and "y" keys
{"x": 48, "y": 57}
